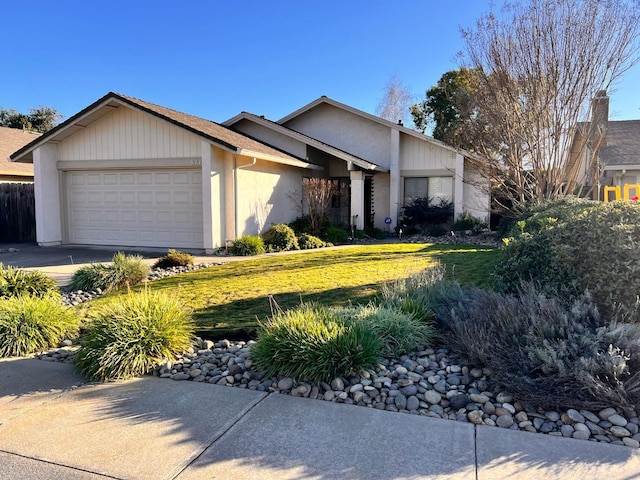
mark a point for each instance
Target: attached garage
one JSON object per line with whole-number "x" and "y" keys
{"x": 124, "y": 172}
{"x": 135, "y": 207}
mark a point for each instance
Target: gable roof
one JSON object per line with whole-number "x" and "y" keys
{"x": 215, "y": 133}
{"x": 329, "y": 101}
{"x": 622, "y": 143}
{"x": 325, "y": 147}
{"x": 11, "y": 139}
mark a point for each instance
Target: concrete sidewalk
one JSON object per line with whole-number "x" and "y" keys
{"x": 53, "y": 424}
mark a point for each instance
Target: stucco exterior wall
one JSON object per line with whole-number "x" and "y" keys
{"x": 476, "y": 199}
{"x": 357, "y": 135}
{"x": 129, "y": 134}
{"x": 264, "y": 196}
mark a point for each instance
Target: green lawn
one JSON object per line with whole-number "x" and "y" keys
{"x": 228, "y": 300}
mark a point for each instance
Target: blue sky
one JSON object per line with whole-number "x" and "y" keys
{"x": 216, "y": 58}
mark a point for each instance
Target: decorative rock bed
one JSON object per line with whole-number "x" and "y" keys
{"x": 430, "y": 383}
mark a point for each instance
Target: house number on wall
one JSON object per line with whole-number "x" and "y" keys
{"x": 197, "y": 162}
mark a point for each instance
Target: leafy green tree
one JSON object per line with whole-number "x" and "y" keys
{"x": 41, "y": 119}
{"x": 451, "y": 108}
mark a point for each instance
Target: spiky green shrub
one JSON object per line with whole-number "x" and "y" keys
{"x": 280, "y": 238}
{"x": 132, "y": 334}
{"x": 31, "y": 324}
{"x": 572, "y": 246}
{"x": 313, "y": 343}
{"x": 308, "y": 242}
{"x": 14, "y": 281}
{"x": 247, "y": 246}
{"x": 544, "y": 351}
{"x": 174, "y": 258}
{"x": 399, "y": 332}
{"x": 125, "y": 270}
{"x": 337, "y": 235}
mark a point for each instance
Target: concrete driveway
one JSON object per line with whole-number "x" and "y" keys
{"x": 60, "y": 262}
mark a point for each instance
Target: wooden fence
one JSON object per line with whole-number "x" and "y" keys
{"x": 17, "y": 212}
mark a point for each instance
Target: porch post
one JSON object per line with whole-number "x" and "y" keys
{"x": 357, "y": 199}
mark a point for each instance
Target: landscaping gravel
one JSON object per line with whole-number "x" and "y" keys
{"x": 429, "y": 382}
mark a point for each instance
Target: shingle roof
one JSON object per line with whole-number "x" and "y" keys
{"x": 212, "y": 131}
{"x": 622, "y": 143}
{"x": 12, "y": 139}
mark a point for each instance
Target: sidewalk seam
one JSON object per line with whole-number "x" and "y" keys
{"x": 475, "y": 448}
{"x": 222, "y": 434}
{"x": 48, "y": 462}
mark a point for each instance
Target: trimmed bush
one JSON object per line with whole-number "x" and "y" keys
{"x": 552, "y": 354}
{"x": 132, "y": 334}
{"x": 14, "y": 282}
{"x": 280, "y": 238}
{"x": 32, "y": 324}
{"x": 337, "y": 235}
{"x": 435, "y": 230}
{"x": 174, "y": 258}
{"x": 247, "y": 246}
{"x": 125, "y": 270}
{"x": 571, "y": 246}
{"x": 422, "y": 212}
{"x": 399, "y": 332}
{"x": 374, "y": 232}
{"x": 308, "y": 242}
{"x": 313, "y": 343}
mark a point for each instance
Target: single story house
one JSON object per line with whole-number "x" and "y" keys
{"x": 11, "y": 139}
{"x": 610, "y": 154}
{"x": 125, "y": 172}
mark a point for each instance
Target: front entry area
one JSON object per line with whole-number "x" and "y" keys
{"x": 134, "y": 207}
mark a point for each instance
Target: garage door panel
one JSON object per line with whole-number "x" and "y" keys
{"x": 135, "y": 208}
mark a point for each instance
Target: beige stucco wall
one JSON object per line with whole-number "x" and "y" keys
{"x": 476, "y": 199}
{"x": 381, "y": 203}
{"x": 349, "y": 132}
{"x": 266, "y": 195}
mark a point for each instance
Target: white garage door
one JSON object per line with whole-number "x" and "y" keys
{"x": 160, "y": 208}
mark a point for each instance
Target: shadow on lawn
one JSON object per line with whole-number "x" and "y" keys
{"x": 238, "y": 320}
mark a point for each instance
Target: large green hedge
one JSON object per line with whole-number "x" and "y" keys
{"x": 570, "y": 246}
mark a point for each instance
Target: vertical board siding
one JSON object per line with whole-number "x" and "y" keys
{"x": 17, "y": 212}
{"x": 129, "y": 134}
{"x": 417, "y": 154}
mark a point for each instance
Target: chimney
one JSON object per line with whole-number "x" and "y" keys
{"x": 600, "y": 113}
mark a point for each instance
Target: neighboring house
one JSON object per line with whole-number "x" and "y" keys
{"x": 11, "y": 139}
{"x": 611, "y": 157}
{"x": 130, "y": 173}
{"x": 385, "y": 164}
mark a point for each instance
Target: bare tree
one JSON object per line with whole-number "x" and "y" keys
{"x": 539, "y": 64}
{"x": 396, "y": 102}
{"x": 315, "y": 199}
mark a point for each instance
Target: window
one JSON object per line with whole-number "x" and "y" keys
{"x": 432, "y": 187}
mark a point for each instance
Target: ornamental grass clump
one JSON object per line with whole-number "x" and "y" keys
{"x": 31, "y": 324}
{"x": 14, "y": 282}
{"x": 399, "y": 332}
{"x": 248, "y": 245}
{"x": 124, "y": 271}
{"x": 314, "y": 343}
{"x": 132, "y": 334}
{"x": 174, "y": 258}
